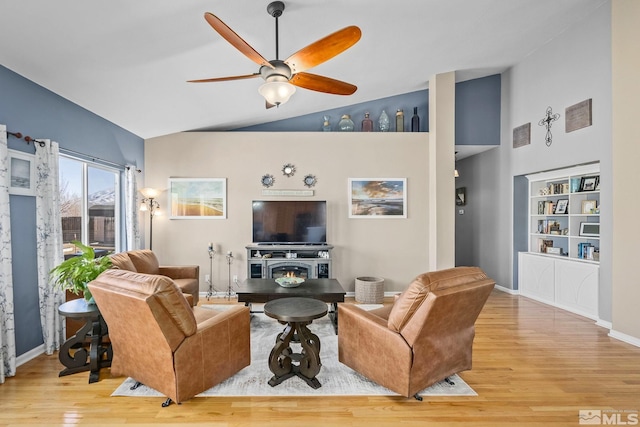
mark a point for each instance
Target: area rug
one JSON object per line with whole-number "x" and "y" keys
{"x": 336, "y": 378}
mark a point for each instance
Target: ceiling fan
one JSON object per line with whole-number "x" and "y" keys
{"x": 282, "y": 77}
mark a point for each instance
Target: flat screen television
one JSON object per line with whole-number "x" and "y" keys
{"x": 290, "y": 221}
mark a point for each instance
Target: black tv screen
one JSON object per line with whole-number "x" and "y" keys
{"x": 289, "y": 221}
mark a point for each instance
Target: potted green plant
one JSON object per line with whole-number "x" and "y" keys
{"x": 74, "y": 273}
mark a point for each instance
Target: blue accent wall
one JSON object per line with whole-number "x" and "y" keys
{"x": 313, "y": 122}
{"x": 478, "y": 111}
{"x": 32, "y": 110}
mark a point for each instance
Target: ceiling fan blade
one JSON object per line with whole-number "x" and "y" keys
{"x": 324, "y": 49}
{"x": 322, "y": 84}
{"x": 268, "y": 105}
{"x": 224, "y": 79}
{"x": 229, "y": 35}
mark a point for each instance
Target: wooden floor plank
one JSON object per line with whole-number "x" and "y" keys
{"x": 532, "y": 365}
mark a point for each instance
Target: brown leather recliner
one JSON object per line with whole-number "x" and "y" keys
{"x": 162, "y": 342}
{"x": 424, "y": 337}
{"x": 187, "y": 277}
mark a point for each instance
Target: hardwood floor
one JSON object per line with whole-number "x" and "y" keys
{"x": 532, "y": 365}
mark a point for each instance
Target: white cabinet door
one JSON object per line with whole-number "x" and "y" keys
{"x": 577, "y": 287}
{"x": 536, "y": 277}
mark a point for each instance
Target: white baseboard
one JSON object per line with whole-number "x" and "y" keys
{"x": 507, "y": 290}
{"x": 604, "y": 324}
{"x": 624, "y": 337}
{"x": 29, "y": 355}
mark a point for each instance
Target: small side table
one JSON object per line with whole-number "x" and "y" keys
{"x": 296, "y": 314}
{"x": 94, "y": 332}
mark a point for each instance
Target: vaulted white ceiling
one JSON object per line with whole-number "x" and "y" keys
{"x": 128, "y": 60}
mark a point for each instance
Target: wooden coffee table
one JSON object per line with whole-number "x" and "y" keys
{"x": 264, "y": 290}
{"x": 296, "y": 314}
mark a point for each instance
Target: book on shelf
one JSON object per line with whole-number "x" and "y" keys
{"x": 543, "y": 244}
{"x": 586, "y": 251}
{"x": 546, "y": 207}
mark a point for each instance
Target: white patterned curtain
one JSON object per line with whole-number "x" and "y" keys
{"x": 7, "y": 331}
{"x": 131, "y": 208}
{"x": 49, "y": 243}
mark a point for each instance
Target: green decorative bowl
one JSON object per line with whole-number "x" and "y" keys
{"x": 289, "y": 282}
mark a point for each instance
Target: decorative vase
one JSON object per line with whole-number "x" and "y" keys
{"x": 346, "y": 124}
{"x": 383, "y": 122}
{"x": 88, "y": 297}
{"x": 326, "y": 126}
{"x": 367, "y": 123}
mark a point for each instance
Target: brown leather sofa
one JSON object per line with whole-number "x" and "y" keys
{"x": 162, "y": 342}
{"x": 187, "y": 277}
{"x": 424, "y": 337}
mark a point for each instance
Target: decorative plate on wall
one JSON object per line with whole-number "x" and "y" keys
{"x": 288, "y": 170}
{"x": 267, "y": 180}
{"x": 309, "y": 180}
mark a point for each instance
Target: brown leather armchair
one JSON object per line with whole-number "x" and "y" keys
{"x": 424, "y": 337}
{"x": 187, "y": 277}
{"x": 162, "y": 342}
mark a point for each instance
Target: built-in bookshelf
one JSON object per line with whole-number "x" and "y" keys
{"x": 561, "y": 267}
{"x": 564, "y": 213}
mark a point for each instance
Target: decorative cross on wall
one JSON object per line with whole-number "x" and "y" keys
{"x": 547, "y": 121}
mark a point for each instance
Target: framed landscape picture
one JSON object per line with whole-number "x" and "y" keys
{"x": 197, "y": 198}
{"x": 377, "y": 197}
{"x": 22, "y": 172}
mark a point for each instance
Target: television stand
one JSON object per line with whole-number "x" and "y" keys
{"x": 270, "y": 261}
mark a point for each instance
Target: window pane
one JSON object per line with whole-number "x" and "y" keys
{"x": 71, "y": 202}
{"x": 102, "y": 185}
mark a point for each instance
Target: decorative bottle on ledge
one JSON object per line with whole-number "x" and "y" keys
{"x": 367, "y": 123}
{"x": 346, "y": 124}
{"x": 399, "y": 121}
{"x": 415, "y": 121}
{"x": 383, "y": 122}
{"x": 326, "y": 126}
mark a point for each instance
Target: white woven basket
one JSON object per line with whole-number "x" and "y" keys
{"x": 369, "y": 290}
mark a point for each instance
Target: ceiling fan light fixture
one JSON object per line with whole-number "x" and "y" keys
{"x": 277, "y": 92}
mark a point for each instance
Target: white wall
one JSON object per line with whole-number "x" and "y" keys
{"x": 395, "y": 249}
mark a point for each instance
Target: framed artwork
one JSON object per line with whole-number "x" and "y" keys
{"x": 589, "y": 206}
{"x": 590, "y": 229}
{"x": 197, "y": 198}
{"x": 23, "y": 173}
{"x": 377, "y": 197}
{"x": 561, "y": 207}
{"x": 589, "y": 183}
{"x": 461, "y": 196}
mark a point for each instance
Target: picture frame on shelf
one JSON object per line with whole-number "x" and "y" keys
{"x": 561, "y": 207}
{"x": 22, "y": 171}
{"x": 377, "y": 198}
{"x": 589, "y": 183}
{"x": 590, "y": 229}
{"x": 589, "y": 206}
{"x": 197, "y": 198}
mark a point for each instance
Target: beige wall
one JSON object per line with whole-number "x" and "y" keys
{"x": 395, "y": 249}
{"x": 442, "y": 122}
{"x": 626, "y": 158}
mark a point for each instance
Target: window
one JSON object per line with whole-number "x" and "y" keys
{"x": 90, "y": 205}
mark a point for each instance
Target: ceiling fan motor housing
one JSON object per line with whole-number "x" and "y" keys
{"x": 279, "y": 72}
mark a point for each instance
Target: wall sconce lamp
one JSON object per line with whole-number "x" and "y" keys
{"x": 149, "y": 203}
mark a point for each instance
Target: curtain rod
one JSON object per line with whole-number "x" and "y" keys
{"x": 94, "y": 159}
